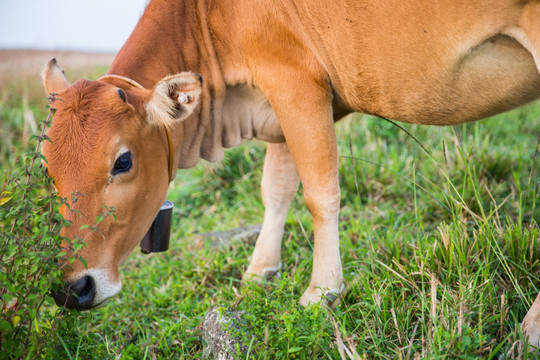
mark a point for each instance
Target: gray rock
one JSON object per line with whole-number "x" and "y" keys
{"x": 220, "y": 343}
{"x": 220, "y": 239}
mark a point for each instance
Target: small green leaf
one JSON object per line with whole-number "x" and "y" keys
{"x": 83, "y": 261}
{"x": 5, "y": 325}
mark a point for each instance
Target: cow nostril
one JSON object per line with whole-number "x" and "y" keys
{"x": 84, "y": 289}
{"x": 78, "y": 295}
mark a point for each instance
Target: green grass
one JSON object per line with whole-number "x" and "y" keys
{"x": 440, "y": 253}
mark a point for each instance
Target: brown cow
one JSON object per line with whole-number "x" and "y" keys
{"x": 279, "y": 71}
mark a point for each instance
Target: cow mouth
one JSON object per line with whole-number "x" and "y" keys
{"x": 101, "y": 304}
{"x": 92, "y": 290}
{"x": 63, "y": 300}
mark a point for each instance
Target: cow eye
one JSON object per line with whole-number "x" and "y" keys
{"x": 122, "y": 94}
{"x": 122, "y": 164}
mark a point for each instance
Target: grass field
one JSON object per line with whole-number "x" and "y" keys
{"x": 440, "y": 251}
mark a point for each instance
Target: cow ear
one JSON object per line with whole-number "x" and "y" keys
{"x": 54, "y": 78}
{"x": 173, "y": 99}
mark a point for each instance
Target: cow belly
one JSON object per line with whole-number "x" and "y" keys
{"x": 246, "y": 115}
{"x": 496, "y": 75}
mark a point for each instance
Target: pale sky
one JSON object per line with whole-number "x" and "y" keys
{"x": 84, "y": 25}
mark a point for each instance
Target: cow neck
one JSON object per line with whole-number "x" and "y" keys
{"x": 165, "y": 127}
{"x": 171, "y": 37}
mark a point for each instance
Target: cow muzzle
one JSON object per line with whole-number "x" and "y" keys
{"x": 91, "y": 290}
{"x": 77, "y": 295}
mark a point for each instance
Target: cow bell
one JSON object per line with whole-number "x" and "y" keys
{"x": 157, "y": 237}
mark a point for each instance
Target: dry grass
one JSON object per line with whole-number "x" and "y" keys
{"x": 28, "y": 63}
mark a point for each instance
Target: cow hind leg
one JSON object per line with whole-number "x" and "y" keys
{"x": 278, "y": 186}
{"x": 528, "y": 34}
{"x": 527, "y": 30}
{"x": 531, "y": 324}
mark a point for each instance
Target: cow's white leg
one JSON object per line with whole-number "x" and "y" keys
{"x": 278, "y": 186}
{"x": 531, "y": 324}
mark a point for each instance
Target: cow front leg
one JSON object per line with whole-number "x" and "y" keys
{"x": 304, "y": 110}
{"x": 278, "y": 186}
{"x": 315, "y": 152}
{"x": 531, "y": 324}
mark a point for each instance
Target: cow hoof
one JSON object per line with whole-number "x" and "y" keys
{"x": 532, "y": 335}
{"x": 314, "y": 295}
{"x": 271, "y": 273}
{"x": 266, "y": 274}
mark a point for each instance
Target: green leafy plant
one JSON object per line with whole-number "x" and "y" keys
{"x": 31, "y": 254}
{"x": 271, "y": 325}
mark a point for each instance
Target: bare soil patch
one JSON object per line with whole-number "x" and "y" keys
{"x": 29, "y": 63}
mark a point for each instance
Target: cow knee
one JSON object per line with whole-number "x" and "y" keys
{"x": 323, "y": 205}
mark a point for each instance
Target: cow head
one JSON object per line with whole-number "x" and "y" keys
{"x": 108, "y": 150}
